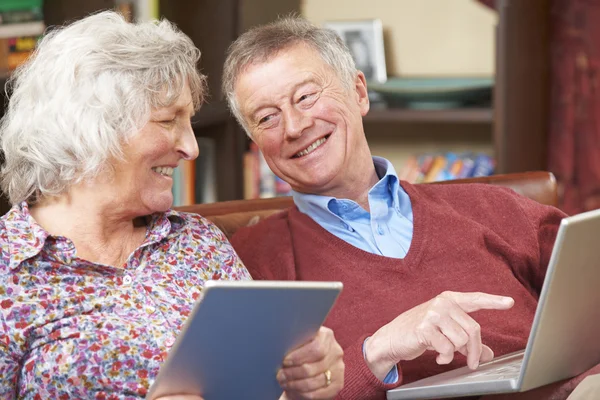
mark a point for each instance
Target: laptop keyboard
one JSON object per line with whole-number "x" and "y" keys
{"x": 507, "y": 370}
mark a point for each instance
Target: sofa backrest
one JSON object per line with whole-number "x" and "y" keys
{"x": 231, "y": 215}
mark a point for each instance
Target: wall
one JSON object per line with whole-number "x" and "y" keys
{"x": 422, "y": 37}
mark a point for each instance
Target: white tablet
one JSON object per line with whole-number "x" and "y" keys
{"x": 235, "y": 339}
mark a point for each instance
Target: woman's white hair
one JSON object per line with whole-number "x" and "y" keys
{"x": 261, "y": 44}
{"x": 89, "y": 87}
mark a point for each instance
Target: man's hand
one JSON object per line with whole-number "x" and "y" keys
{"x": 314, "y": 370}
{"x": 442, "y": 324}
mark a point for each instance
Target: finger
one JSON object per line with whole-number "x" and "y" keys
{"x": 453, "y": 330}
{"x": 313, "y": 351}
{"x": 472, "y": 331}
{"x": 474, "y": 301}
{"x": 486, "y": 353}
{"x": 299, "y": 390}
{"x": 306, "y": 385}
{"x": 307, "y": 370}
{"x": 323, "y": 393}
{"x": 442, "y": 345}
{"x": 302, "y": 371}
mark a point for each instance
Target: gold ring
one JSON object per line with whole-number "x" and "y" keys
{"x": 327, "y": 378}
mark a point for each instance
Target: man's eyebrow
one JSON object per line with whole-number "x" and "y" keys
{"x": 294, "y": 89}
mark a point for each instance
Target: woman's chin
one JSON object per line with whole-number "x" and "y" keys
{"x": 160, "y": 203}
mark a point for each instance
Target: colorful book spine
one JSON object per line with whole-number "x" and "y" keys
{"x": 439, "y": 167}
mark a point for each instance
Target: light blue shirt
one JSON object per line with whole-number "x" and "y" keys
{"x": 387, "y": 230}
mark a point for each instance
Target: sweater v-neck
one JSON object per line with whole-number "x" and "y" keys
{"x": 421, "y": 216}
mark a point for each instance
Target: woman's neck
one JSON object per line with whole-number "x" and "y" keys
{"x": 101, "y": 232}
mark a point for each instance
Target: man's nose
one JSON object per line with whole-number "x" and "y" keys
{"x": 295, "y": 122}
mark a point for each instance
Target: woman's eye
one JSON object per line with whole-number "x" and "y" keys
{"x": 265, "y": 119}
{"x": 168, "y": 121}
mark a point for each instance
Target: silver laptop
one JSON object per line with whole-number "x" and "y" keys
{"x": 565, "y": 335}
{"x": 236, "y": 337}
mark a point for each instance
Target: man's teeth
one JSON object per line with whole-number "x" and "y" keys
{"x": 310, "y": 148}
{"x": 166, "y": 171}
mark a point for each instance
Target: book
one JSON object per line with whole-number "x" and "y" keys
{"x": 11, "y": 5}
{"x": 251, "y": 176}
{"x": 17, "y": 50}
{"x": 267, "y": 178}
{"x": 484, "y": 166}
{"x": 188, "y": 182}
{"x": 437, "y": 165}
{"x": 32, "y": 28}
{"x": 21, "y": 15}
{"x": 176, "y": 189}
{"x": 205, "y": 182}
{"x": 466, "y": 169}
{"x": 125, "y": 8}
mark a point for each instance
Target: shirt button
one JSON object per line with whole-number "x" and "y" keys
{"x": 351, "y": 229}
{"x": 127, "y": 280}
{"x": 379, "y": 229}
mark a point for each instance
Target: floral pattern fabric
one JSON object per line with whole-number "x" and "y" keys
{"x": 70, "y": 328}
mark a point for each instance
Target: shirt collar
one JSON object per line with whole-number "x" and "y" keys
{"x": 388, "y": 184}
{"x": 319, "y": 206}
{"x": 26, "y": 238}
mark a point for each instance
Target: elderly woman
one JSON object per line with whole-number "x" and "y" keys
{"x": 97, "y": 274}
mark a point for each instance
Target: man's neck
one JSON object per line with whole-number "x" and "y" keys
{"x": 358, "y": 189}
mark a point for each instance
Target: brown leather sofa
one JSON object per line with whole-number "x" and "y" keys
{"x": 231, "y": 215}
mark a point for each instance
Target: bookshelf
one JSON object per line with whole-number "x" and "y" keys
{"x": 450, "y": 116}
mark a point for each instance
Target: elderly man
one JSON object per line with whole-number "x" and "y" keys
{"x": 435, "y": 275}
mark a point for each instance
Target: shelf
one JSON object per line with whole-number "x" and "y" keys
{"x": 459, "y": 115}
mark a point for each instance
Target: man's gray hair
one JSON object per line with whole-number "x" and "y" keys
{"x": 87, "y": 89}
{"x": 261, "y": 44}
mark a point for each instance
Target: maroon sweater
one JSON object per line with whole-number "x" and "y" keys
{"x": 466, "y": 238}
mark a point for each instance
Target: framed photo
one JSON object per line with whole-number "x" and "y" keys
{"x": 365, "y": 40}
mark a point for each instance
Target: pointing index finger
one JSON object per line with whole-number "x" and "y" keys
{"x": 475, "y": 301}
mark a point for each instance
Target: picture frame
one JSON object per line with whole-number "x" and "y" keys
{"x": 364, "y": 39}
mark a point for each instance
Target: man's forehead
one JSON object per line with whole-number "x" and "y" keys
{"x": 290, "y": 51}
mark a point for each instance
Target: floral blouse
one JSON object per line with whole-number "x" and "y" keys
{"x": 70, "y": 328}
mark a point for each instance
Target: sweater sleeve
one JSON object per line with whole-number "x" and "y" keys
{"x": 544, "y": 222}
{"x": 359, "y": 381}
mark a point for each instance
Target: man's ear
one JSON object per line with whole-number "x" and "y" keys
{"x": 360, "y": 86}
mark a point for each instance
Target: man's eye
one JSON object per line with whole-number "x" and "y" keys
{"x": 305, "y": 97}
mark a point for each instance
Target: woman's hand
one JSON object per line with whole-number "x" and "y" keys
{"x": 314, "y": 370}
